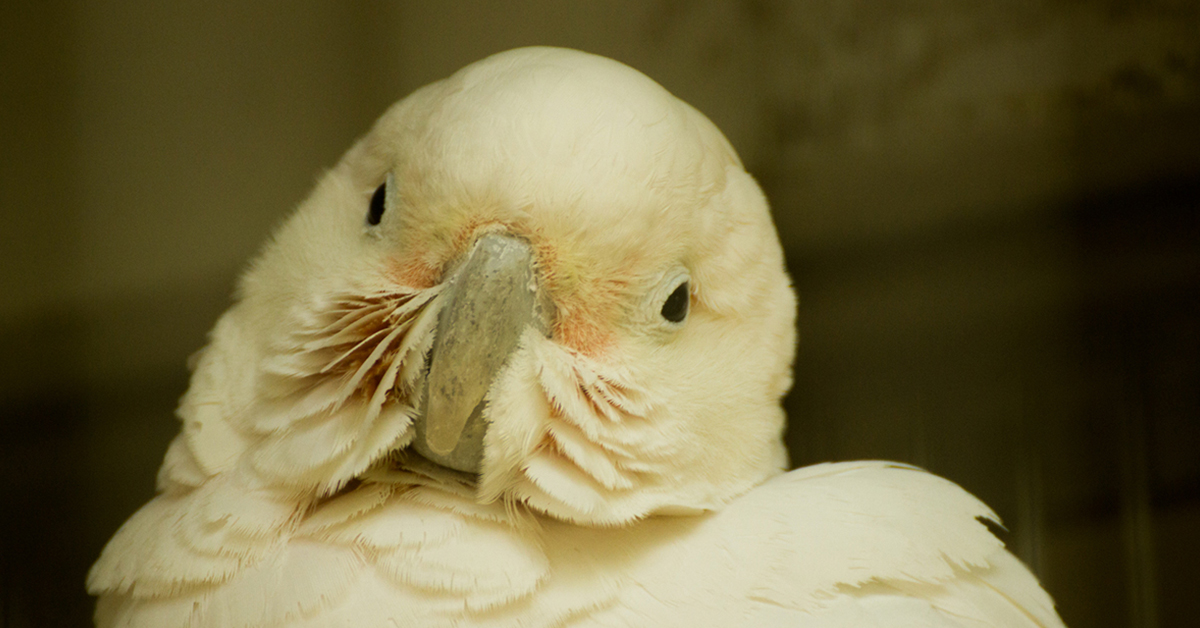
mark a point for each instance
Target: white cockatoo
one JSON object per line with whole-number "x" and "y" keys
{"x": 518, "y": 361}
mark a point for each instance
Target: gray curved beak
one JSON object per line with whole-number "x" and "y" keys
{"x": 490, "y": 300}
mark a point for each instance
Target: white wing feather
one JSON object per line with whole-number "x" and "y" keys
{"x": 850, "y": 544}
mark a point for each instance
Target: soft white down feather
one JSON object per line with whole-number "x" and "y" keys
{"x": 518, "y": 361}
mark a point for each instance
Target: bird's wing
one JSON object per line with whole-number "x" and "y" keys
{"x": 849, "y": 544}
{"x": 384, "y": 554}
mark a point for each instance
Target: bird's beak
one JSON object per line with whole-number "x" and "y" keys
{"x": 490, "y": 300}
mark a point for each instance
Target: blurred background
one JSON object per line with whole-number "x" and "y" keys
{"x": 991, "y": 211}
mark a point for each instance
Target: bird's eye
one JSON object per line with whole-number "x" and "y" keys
{"x": 675, "y": 308}
{"x": 378, "y": 204}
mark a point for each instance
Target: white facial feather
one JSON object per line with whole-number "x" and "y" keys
{"x": 619, "y": 187}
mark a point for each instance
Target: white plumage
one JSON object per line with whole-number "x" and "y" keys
{"x": 624, "y": 466}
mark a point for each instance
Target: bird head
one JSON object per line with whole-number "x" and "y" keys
{"x": 544, "y": 278}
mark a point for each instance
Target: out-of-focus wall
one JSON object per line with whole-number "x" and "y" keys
{"x": 990, "y": 211}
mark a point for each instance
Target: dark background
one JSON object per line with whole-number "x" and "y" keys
{"x": 990, "y": 211}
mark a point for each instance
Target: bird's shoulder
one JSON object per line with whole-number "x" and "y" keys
{"x": 860, "y": 543}
{"x": 865, "y": 543}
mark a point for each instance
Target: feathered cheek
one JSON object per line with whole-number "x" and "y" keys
{"x": 582, "y": 328}
{"x": 414, "y": 270}
{"x": 570, "y": 436}
{"x": 341, "y": 389}
{"x": 517, "y": 412}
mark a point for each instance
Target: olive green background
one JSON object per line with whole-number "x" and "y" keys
{"x": 990, "y": 211}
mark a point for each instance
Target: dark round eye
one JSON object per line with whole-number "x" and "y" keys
{"x": 675, "y": 308}
{"x": 378, "y": 199}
